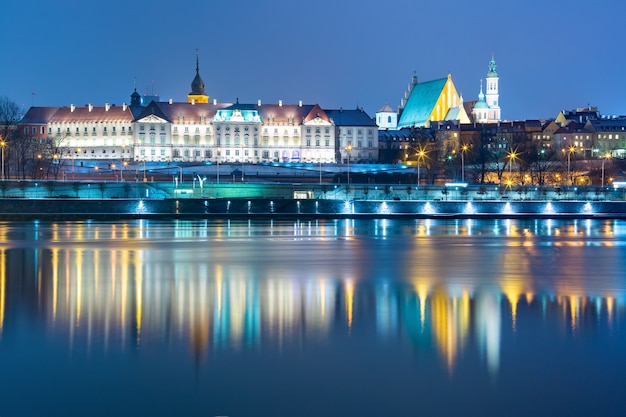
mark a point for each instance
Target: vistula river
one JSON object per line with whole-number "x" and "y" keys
{"x": 313, "y": 318}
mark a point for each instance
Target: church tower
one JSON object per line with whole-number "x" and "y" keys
{"x": 197, "y": 94}
{"x": 492, "y": 95}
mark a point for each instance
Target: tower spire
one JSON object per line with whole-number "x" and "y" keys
{"x": 197, "y": 94}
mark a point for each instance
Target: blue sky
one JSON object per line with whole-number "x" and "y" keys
{"x": 343, "y": 53}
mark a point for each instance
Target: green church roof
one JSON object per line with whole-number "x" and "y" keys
{"x": 421, "y": 103}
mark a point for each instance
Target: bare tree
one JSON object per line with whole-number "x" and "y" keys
{"x": 9, "y": 116}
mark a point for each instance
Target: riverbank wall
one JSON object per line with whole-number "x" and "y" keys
{"x": 71, "y": 208}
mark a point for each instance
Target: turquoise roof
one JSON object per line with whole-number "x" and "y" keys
{"x": 421, "y": 103}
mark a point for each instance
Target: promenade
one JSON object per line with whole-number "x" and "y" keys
{"x": 307, "y": 190}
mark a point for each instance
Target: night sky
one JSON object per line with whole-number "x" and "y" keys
{"x": 343, "y": 53}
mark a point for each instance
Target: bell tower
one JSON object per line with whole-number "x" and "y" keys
{"x": 492, "y": 95}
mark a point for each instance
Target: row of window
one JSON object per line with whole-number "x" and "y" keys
{"x": 358, "y": 131}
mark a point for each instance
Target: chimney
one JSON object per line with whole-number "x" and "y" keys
{"x": 299, "y": 103}
{"x": 170, "y": 101}
{"x": 258, "y": 103}
{"x": 193, "y": 101}
{"x": 280, "y": 103}
{"x": 72, "y": 108}
{"x": 124, "y": 106}
{"x": 215, "y": 102}
{"x": 107, "y": 106}
{"x": 90, "y": 106}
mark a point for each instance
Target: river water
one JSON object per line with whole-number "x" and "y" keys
{"x": 311, "y": 318}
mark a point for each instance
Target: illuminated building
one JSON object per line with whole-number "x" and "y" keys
{"x": 199, "y": 130}
{"x": 430, "y": 101}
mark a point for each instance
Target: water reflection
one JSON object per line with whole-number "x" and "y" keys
{"x": 450, "y": 286}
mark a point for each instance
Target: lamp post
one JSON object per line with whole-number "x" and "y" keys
{"x": 144, "y": 171}
{"x": 570, "y": 151}
{"x": 124, "y": 164}
{"x": 512, "y": 156}
{"x": 605, "y": 158}
{"x": 39, "y": 167}
{"x": 2, "y": 145}
{"x": 219, "y": 151}
{"x": 320, "y": 157}
{"x": 348, "y": 149}
{"x": 464, "y": 149}
{"x": 420, "y": 157}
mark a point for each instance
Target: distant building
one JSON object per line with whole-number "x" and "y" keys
{"x": 387, "y": 118}
{"x": 357, "y": 134}
{"x": 608, "y": 136}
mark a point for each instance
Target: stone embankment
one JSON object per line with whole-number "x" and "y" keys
{"x": 73, "y": 208}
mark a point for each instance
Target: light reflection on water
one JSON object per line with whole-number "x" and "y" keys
{"x": 456, "y": 293}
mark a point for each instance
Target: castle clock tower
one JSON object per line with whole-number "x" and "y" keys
{"x": 197, "y": 94}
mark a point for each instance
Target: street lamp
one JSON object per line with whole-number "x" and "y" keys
{"x": 605, "y": 158}
{"x": 570, "y": 151}
{"x": 512, "y": 157}
{"x": 464, "y": 149}
{"x": 241, "y": 163}
{"x": 219, "y": 151}
{"x": 124, "y": 164}
{"x": 2, "y": 145}
{"x": 320, "y": 157}
{"x": 420, "y": 157}
{"x": 144, "y": 171}
{"x": 39, "y": 167}
{"x": 348, "y": 149}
